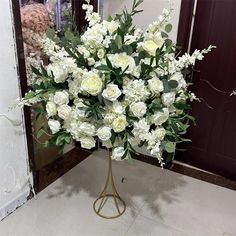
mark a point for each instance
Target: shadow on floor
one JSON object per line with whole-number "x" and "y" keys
{"x": 138, "y": 183}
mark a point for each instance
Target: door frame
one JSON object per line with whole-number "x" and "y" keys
{"x": 48, "y": 174}
{"x": 184, "y": 29}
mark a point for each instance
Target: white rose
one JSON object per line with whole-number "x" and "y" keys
{"x": 160, "y": 117}
{"x": 91, "y": 83}
{"x": 104, "y": 133}
{"x": 112, "y": 92}
{"x": 160, "y": 133}
{"x": 119, "y": 124}
{"x": 139, "y": 109}
{"x": 87, "y": 142}
{"x": 64, "y": 111}
{"x": 91, "y": 61}
{"x": 51, "y": 109}
{"x": 150, "y": 46}
{"x": 59, "y": 72}
{"x": 101, "y": 53}
{"x": 111, "y": 26}
{"x": 168, "y": 98}
{"x": 118, "y": 153}
{"x": 155, "y": 85}
{"x": 54, "y": 125}
{"x": 123, "y": 61}
{"x": 61, "y": 97}
{"x": 87, "y": 129}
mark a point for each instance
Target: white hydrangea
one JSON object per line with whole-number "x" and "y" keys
{"x": 141, "y": 128}
{"x": 136, "y": 91}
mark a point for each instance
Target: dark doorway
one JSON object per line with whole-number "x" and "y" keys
{"x": 213, "y": 146}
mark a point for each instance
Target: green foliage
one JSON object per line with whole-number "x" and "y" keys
{"x": 168, "y": 28}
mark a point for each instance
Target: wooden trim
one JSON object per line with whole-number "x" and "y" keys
{"x": 23, "y": 82}
{"x": 59, "y": 167}
{"x": 185, "y": 22}
{"x": 191, "y": 172}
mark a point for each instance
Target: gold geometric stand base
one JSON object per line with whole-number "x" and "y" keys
{"x": 100, "y": 202}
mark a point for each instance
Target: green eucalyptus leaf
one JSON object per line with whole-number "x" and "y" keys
{"x": 51, "y": 33}
{"x": 168, "y": 28}
{"x": 118, "y": 41}
{"x": 69, "y": 35}
{"x": 35, "y": 71}
{"x": 164, "y": 35}
{"x": 173, "y": 84}
{"x": 170, "y": 147}
{"x": 40, "y": 133}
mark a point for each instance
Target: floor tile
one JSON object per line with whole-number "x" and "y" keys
{"x": 159, "y": 202}
{"x": 194, "y": 206}
{"x": 147, "y": 227}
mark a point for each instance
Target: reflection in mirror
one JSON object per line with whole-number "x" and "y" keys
{"x": 36, "y": 18}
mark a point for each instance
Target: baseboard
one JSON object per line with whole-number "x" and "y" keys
{"x": 13, "y": 205}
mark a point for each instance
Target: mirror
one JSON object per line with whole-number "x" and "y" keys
{"x": 33, "y": 18}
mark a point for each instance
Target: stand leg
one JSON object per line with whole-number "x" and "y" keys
{"x": 103, "y": 197}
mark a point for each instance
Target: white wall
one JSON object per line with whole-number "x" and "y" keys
{"x": 152, "y": 9}
{"x": 14, "y": 173}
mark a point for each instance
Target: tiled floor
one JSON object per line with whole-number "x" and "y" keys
{"x": 159, "y": 203}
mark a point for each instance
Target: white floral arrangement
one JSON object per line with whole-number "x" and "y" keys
{"x": 117, "y": 84}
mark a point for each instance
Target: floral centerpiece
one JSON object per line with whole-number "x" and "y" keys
{"x": 117, "y": 84}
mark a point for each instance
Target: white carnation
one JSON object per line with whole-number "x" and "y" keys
{"x": 87, "y": 129}
{"x": 112, "y": 92}
{"x": 138, "y": 109}
{"x": 64, "y": 111}
{"x": 118, "y": 153}
{"x": 104, "y": 133}
{"x": 54, "y": 125}
{"x": 61, "y": 97}
{"x": 87, "y": 142}
{"x": 168, "y": 98}
{"x": 51, "y": 109}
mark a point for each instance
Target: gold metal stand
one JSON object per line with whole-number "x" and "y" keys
{"x": 103, "y": 197}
